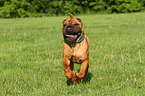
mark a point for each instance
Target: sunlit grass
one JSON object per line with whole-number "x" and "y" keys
{"x": 31, "y": 56}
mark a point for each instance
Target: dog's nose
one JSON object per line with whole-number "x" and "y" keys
{"x": 69, "y": 28}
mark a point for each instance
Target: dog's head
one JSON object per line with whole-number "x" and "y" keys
{"x": 72, "y": 29}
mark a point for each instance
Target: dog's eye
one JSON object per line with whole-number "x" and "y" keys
{"x": 76, "y": 24}
{"x": 64, "y": 25}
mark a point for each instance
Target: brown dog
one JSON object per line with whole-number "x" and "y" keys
{"x": 76, "y": 47}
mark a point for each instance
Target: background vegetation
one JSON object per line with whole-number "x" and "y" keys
{"x": 29, "y": 8}
{"x": 31, "y": 56}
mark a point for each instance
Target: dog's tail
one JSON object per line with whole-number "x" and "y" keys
{"x": 71, "y": 16}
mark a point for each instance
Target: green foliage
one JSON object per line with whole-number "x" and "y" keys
{"x": 71, "y": 7}
{"x": 124, "y": 6}
{"x": 98, "y": 5}
{"x": 16, "y": 8}
{"x": 142, "y": 2}
{"x": 2, "y": 2}
{"x": 28, "y": 8}
{"x": 47, "y": 6}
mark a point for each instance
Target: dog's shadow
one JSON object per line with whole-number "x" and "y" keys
{"x": 88, "y": 79}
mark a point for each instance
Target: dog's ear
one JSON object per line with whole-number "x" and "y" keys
{"x": 65, "y": 20}
{"x": 80, "y": 20}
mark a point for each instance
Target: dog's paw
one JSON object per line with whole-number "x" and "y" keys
{"x": 80, "y": 75}
{"x": 83, "y": 80}
{"x": 68, "y": 75}
{"x": 74, "y": 80}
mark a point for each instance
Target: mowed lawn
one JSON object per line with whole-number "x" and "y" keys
{"x": 31, "y": 56}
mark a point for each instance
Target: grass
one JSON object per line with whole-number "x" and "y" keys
{"x": 31, "y": 56}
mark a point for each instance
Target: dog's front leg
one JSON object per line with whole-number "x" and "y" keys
{"x": 74, "y": 79}
{"x": 69, "y": 69}
{"x": 66, "y": 63}
{"x": 83, "y": 71}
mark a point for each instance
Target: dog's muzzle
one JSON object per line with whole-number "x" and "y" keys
{"x": 69, "y": 29}
{"x": 71, "y": 35}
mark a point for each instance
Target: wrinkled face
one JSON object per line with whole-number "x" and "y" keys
{"x": 72, "y": 29}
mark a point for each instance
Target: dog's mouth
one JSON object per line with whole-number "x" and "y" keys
{"x": 72, "y": 36}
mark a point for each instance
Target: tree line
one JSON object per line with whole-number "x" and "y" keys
{"x": 38, "y": 8}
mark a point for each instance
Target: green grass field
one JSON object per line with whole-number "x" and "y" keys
{"x": 31, "y": 56}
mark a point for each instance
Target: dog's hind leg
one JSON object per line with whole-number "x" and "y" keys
{"x": 84, "y": 79}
